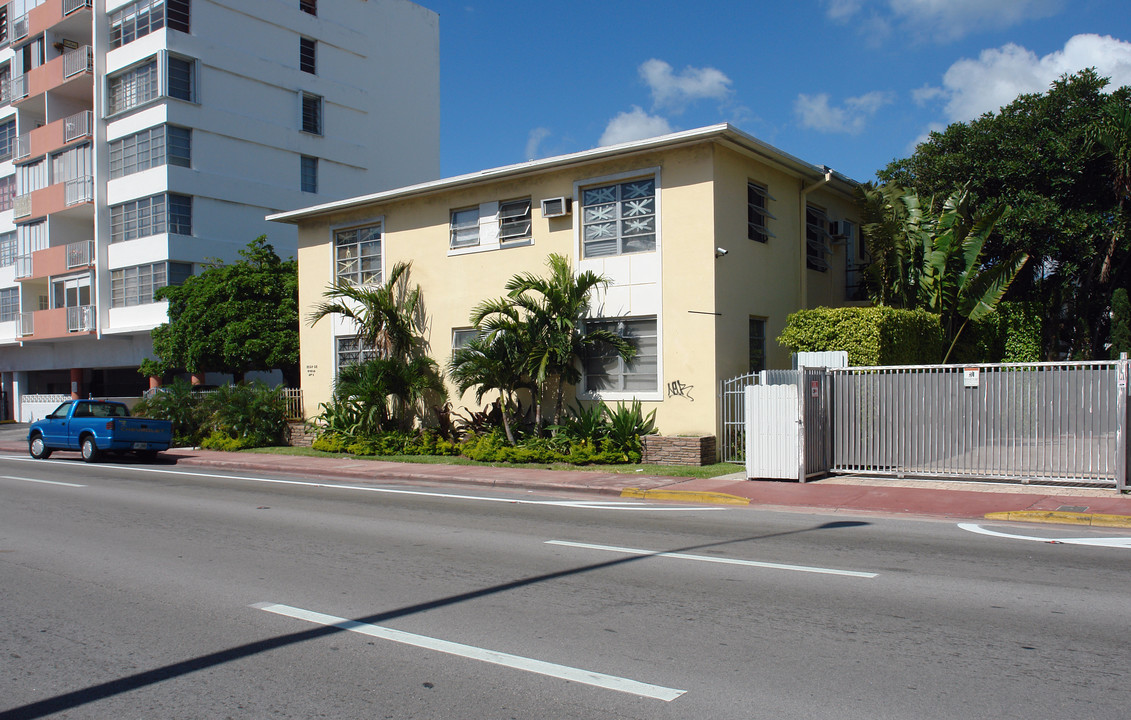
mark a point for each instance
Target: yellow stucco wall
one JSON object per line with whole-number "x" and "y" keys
{"x": 703, "y": 303}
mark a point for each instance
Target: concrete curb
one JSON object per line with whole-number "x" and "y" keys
{"x": 685, "y": 496}
{"x": 1063, "y": 518}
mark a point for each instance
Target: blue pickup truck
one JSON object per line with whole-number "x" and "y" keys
{"x": 97, "y": 426}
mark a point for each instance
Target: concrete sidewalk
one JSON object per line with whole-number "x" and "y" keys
{"x": 844, "y": 494}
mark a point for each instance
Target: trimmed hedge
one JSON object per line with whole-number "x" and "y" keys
{"x": 870, "y": 336}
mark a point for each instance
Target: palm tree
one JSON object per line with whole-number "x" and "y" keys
{"x": 928, "y": 260}
{"x": 548, "y": 314}
{"x": 1112, "y": 132}
{"x": 389, "y": 316}
{"x": 390, "y": 392}
{"x": 490, "y": 363}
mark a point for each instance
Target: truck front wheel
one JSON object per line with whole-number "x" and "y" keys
{"x": 37, "y": 448}
{"x": 89, "y": 449}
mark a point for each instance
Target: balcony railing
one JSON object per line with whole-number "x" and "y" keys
{"x": 21, "y": 206}
{"x": 80, "y": 254}
{"x": 77, "y": 125}
{"x": 69, "y": 6}
{"x": 79, "y": 190}
{"x": 23, "y": 266}
{"x": 19, "y": 28}
{"x": 27, "y": 324}
{"x": 80, "y": 319}
{"x": 77, "y": 61}
{"x": 23, "y": 147}
{"x": 19, "y": 88}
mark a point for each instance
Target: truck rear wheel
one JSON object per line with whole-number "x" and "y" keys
{"x": 89, "y": 449}
{"x": 37, "y": 448}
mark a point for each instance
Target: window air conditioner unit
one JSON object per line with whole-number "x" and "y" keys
{"x": 836, "y": 234}
{"x": 555, "y": 207}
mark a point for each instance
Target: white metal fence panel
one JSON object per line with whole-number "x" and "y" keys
{"x": 1045, "y": 421}
{"x": 772, "y": 431}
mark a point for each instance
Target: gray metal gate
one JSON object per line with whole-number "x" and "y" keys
{"x": 1033, "y": 421}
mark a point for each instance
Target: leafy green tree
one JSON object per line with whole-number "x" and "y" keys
{"x": 389, "y": 315}
{"x": 933, "y": 260}
{"x": 547, "y": 314}
{"x": 232, "y": 318}
{"x": 1040, "y": 155}
{"x": 1120, "y": 323}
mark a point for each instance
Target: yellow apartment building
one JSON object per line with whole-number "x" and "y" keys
{"x": 709, "y": 238}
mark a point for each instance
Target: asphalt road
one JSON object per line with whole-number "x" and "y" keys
{"x": 137, "y": 592}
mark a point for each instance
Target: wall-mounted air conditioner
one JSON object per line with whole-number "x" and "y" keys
{"x": 555, "y": 207}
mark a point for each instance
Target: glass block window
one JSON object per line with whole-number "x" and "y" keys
{"x": 311, "y": 114}
{"x": 514, "y": 220}
{"x": 182, "y": 79}
{"x": 133, "y": 87}
{"x": 757, "y": 216}
{"x": 7, "y": 192}
{"x": 9, "y": 304}
{"x": 619, "y": 219}
{"x": 351, "y": 351}
{"x": 151, "y": 216}
{"x": 135, "y": 285}
{"x": 8, "y": 249}
{"x": 308, "y": 174}
{"x": 465, "y": 228}
{"x": 606, "y": 372}
{"x": 357, "y": 255}
{"x": 757, "y": 345}
{"x": 306, "y": 55}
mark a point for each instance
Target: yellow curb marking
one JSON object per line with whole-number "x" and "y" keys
{"x": 685, "y": 496}
{"x": 1064, "y": 518}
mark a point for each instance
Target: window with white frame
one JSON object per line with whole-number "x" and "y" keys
{"x": 138, "y": 19}
{"x": 135, "y": 285}
{"x": 31, "y": 177}
{"x": 133, "y": 87}
{"x": 7, "y": 192}
{"x": 150, "y": 148}
{"x": 817, "y": 239}
{"x": 181, "y": 78}
{"x": 8, "y": 249}
{"x": 757, "y": 344}
{"x": 357, "y": 254}
{"x": 168, "y": 213}
{"x": 462, "y": 336}
{"x": 514, "y": 221}
{"x": 619, "y": 218}
{"x": 7, "y": 139}
{"x": 605, "y": 371}
{"x": 312, "y": 114}
{"x": 307, "y": 55}
{"x": 9, "y": 304}
{"x": 757, "y": 216}
{"x": 352, "y": 351}
{"x": 465, "y": 228}
{"x": 308, "y": 174}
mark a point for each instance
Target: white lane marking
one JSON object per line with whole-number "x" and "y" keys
{"x": 725, "y": 561}
{"x": 586, "y": 504}
{"x": 45, "y": 482}
{"x": 564, "y": 672}
{"x": 1114, "y": 542}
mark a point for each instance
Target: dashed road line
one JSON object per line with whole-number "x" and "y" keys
{"x": 45, "y": 482}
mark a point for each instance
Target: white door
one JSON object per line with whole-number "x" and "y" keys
{"x": 773, "y": 421}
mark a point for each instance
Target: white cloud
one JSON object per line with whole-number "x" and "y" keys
{"x": 633, "y": 125}
{"x": 972, "y": 87}
{"x": 939, "y": 19}
{"x": 816, "y": 113}
{"x": 676, "y": 91}
{"x": 534, "y": 142}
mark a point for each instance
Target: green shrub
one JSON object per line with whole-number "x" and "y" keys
{"x": 626, "y": 426}
{"x": 220, "y": 440}
{"x": 329, "y": 442}
{"x": 177, "y": 403}
{"x": 1011, "y": 333}
{"x": 252, "y": 412}
{"x": 870, "y": 336}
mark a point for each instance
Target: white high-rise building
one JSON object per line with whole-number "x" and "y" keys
{"x": 141, "y": 139}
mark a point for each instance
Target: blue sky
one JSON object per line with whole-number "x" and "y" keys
{"x": 851, "y": 84}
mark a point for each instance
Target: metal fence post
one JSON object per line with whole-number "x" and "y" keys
{"x": 1121, "y": 423}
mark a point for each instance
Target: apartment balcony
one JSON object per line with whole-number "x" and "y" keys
{"x": 67, "y": 18}
{"x": 70, "y": 198}
{"x": 58, "y": 260}
{"x": 69, "y": 75}
{"x": 59, "y": 323}
{"x": 54, "y": 136}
